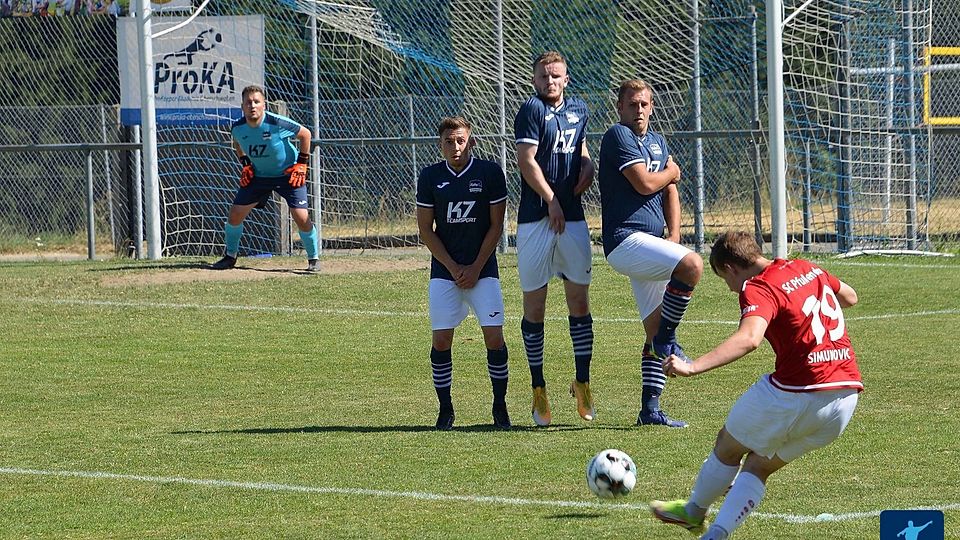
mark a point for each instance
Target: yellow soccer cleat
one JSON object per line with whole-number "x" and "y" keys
{"x": 581, "y": 391}
{"x": 675, "y": 513}
{"x": 541, "y": 407}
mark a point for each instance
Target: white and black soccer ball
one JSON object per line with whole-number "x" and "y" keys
{"x": 611, "y": 473}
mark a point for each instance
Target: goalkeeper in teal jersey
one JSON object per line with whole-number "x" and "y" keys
{"x": 270, "y": 163}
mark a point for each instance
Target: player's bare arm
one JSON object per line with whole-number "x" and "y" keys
{"x": 587, "y": 171}
{"x": 671, "y": 212}
{"x": 303, "y": 137}
{"x": 847, "y": 295}
{"x": 471, "y": 273}
{"x": 533, "y": 175}
{"x": 430, "y": 239}
{"x": 745, "y": 340}
{"x": 648, "y": 183}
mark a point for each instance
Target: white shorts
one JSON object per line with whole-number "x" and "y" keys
{"x": 449, "y": 303}
{"x": 542, "y": 253}
{"x": 770, "y": 421}
{"x": 649, "y": 262}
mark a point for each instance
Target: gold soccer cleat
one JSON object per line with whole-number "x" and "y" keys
{"x": 541, "y": 407}
{"x": 581, "y": 391}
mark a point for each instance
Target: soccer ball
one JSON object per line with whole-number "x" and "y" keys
{"x": 611, "y": 473}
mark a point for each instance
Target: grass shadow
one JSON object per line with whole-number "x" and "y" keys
{"x": 474, "y": 428}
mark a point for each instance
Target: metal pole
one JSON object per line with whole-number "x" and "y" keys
{"x": 697, "y": 126}
{"x": 908, "y": 69}
{"x": 148, "y": 118}
{"x": 845, "y": 178}
{"x": 106, "y": 173}
{"x": 91, "y": 234}
{"x": 315, "y": 169}
{"x": 757, "y": 157}
{"x": 777, "y": 138}
{"x": 137, "y": 196}
{"x": 501, "y": 104}
{"x": 411, "y": 128}
{"x": 888, "y": 150}
{"x": 807, "y": 195}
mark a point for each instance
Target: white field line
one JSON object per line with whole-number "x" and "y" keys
{"x": 417, "y": 495}
{"x": 407, "y": 314}
{"x": 889, "y": 265}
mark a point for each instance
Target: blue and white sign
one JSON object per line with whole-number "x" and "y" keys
{"x": 199, "y": 71}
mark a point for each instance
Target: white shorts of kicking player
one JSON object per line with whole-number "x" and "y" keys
{"x": 649, "y": 262}
{"x": 450, "y": 304}
{"x": 542, "y": 253}
{"x": 774, "y": 422}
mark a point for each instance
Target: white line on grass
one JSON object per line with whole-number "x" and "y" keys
{"x": 409, "y": 314}
{"x": 892, "y": 265}
{"x": 418, "y": 495}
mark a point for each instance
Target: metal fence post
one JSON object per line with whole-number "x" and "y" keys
{"x": 91, "y": 233}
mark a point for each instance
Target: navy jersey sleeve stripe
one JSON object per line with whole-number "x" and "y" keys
{"x": 631, "y": 162}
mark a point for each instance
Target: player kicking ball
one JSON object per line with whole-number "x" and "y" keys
{"x": 803, "y": 405}
{"x": 270, "y": 163}
{"x": 461, "y": 203}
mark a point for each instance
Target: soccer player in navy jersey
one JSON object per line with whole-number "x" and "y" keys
{"x": 638, "y": 194}
{"x": 461, "y": 203}
{"x": 552, "y": 234}
{"x": 806, "y": 402}
{"x": 270, "y": 162}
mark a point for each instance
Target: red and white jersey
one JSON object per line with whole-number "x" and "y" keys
{"x": 805, "y": 326}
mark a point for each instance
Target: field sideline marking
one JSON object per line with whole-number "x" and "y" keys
{"x": 419, "y": 495}
{"x": 375, "y": 313}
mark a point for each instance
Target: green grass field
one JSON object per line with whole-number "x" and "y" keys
{"x": 146, "y": 399}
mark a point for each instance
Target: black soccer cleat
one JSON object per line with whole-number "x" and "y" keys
{"x": 501, "y": 420}
{"x": 445, "y": 419}
{"x": 658, "y": 418}
{"x": 313, "y": 266}
{"x": 226, "y": 263}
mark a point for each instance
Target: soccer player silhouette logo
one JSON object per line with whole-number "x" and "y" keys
{"x": 205, "y": 41}
{"x": 910, "y": 532}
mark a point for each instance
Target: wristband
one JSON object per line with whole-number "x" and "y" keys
{"x": 303, "y": 158}
{"x": 245, "y": 161}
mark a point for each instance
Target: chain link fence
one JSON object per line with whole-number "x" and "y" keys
{"x": 387, "y": 72}
{"x": 942, "y": 100}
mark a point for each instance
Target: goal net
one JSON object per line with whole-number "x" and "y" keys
{"x": 858, "y": 166}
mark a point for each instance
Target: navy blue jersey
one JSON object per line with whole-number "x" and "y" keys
{"x": 268, "y": 146}
{"x": 559, "y": 133}
{"x": 461, "y": 210}
{"x": 623, "y": 209}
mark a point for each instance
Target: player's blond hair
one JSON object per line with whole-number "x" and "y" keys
{"x": 549, "y": 57}
{"x": 633, "y": 85}
{"x": 453, "y": 122}
{"x": 734, "y": 248}
{"x": 253, "y": 88}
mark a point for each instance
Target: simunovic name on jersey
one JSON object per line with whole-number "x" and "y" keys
{"x": 461, "y": 209}
{"x": 559, "y": 134}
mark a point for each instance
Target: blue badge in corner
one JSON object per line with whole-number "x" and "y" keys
{"x": 911, "y": 525}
